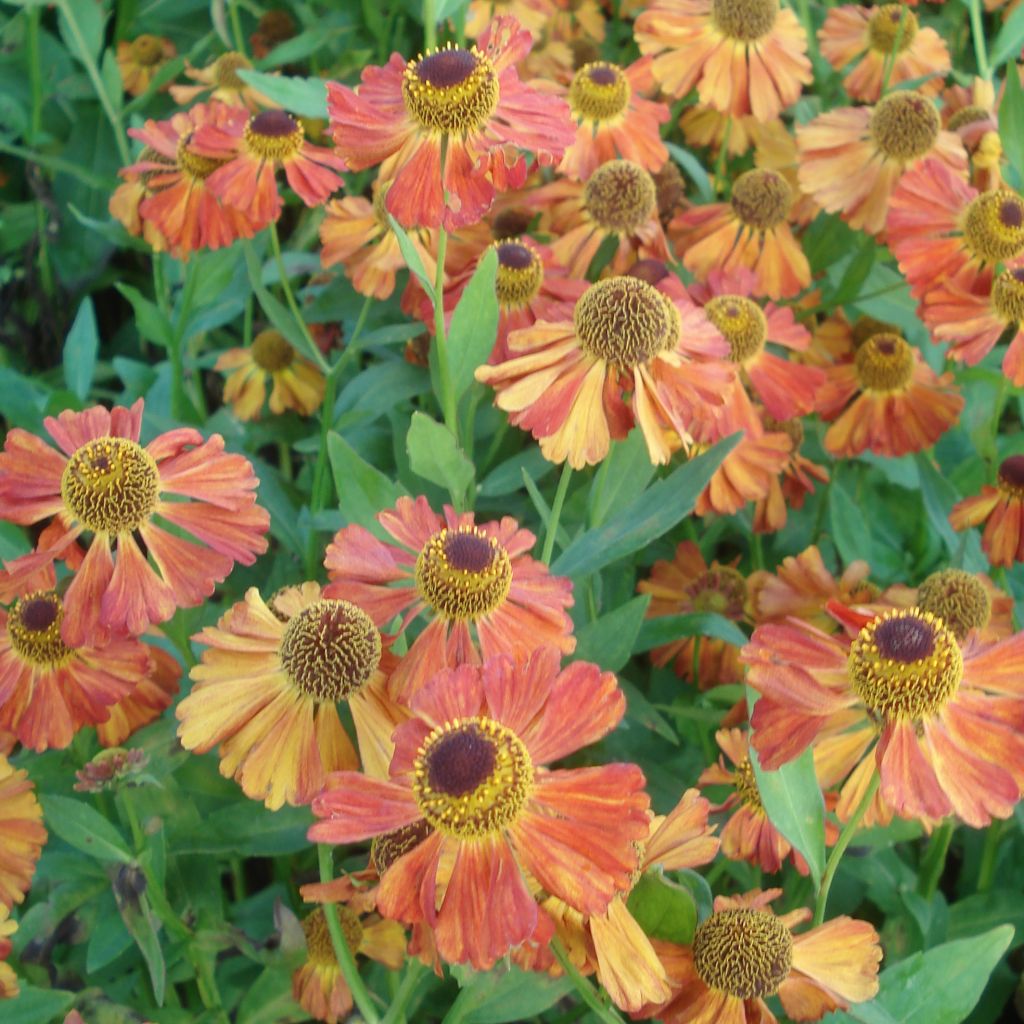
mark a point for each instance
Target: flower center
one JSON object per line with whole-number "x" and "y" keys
{"x": 625, "y": 321}
{"x": 451, "y": 90}
{"x": 463, "y": 573}
{"x": 520, "y": 274}
{"x": 271, "y": 351}
{"x": 745, "y": 783}
{"x": 472, "y": 777}
{"x": 599, "y": 92}
{"x": 273, "y": 135}
{"x": 745, "y": 20}
{"x": 722, "y": 590}
{"x": 330, "y": 650}
{"x": 742, "y": 323}
{"x": 867, "y": 327}
{"x": 276, "y": 26}
{"x": 994, "y": 225}
{"x": 147, "y": 50}
{"x": 34, "y": 629}
{"x": 884, "y": 28}
{"x": 318, "y": 936}
{"x": 1008, "y": 295}
{"x": 670, "y": 187}
{"x": 511, "y": 223}
{"x": 110, "y": 485}
{"x": 958, "y": 598}
{"x": 747, "y": 953}
{"x": 1011, "y": 476}
{"x": 968, "y": 115}
{"x": 792, "y": 428}
{"x": 885, "y": 362}
{"x": 904, "y": 125}
{"x": 195, "y": 165}
{"x": 651, "y": 271}
{"x": 620, "y": 196}
{"x": 225, "y": 68}
{"x": 761, "y": 198}
{"x": 388, "y": 847}
{"x": 905, "y": 664}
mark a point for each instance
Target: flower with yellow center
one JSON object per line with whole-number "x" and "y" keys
{"x": 958, "y": 598}
{"x": 140, "y": 59}
{"x": 999, "y": 508}
{"x": 468, "y": 764}
{"x": 22, "y": 835}
{"x": 220, "y": 79}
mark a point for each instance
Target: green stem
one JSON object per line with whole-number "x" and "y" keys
{"x": 55, "y": 163}
{"x": 840, "y": 848}
{"x": 695, "y": 669}
{"x": 934, "y": 860}
{"x": 890, "y": 57}
{"x": 321, "y": 480}
{"x": 989, "y": 856}
{"x": 429, "y": 25}
{"x": 396, "y": 1011}
{"x": 804, "y": 14}
{"x": 35, "y": 73}
{"x": 556, "y": 514}
{"x": 236, "y": 26}
{"x": 444, "y": 369}
{"x": 347, "y": 963}
{"x": 585, "y": 989}
{"x": 978, "y": 36}
{"x": 757, "y": 551}
{"x": 313, "y": 350}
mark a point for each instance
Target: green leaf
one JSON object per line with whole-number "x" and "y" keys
{"x": 666, "y": 628}
{"x": 624, "y": 474}
{"x": 435, "y": 455}
{"x": 648, "y": 517}
{"x": 449, "y": 8}
{"x": 149, "y": 320}
{"x": 411, "y": 256}
{"x": 694, "y": 171}
{"x": 503, "y": 995}
{"x": 850, "y": 529}
{"x": 80, "y": 348}
{"x": 663, "y": 909}
{"x": 1007, "y": 43}
{"x": 80, "y": 23}
{"x": 306, "y": 97}
{"x": 939, "y": 496}
{"x": 474, "y": 324}
{"x": 608, "y": 641}
{"x": 37, "y": 1005}
{"x": 856, "y": 273}
{"x": 269, "y": 999}
{"x": 247, "y": 829}
{"x": 1011, "y": 119}
{"x": 84, "y": 829}
{"x": 507, "y": 478}
{"x": 362, "y": 490}
{"x": 141, "y": 925}
{"x": 986, "y": 910}
{"x": 109, "y": 937}
{"x": 640, "y": 710}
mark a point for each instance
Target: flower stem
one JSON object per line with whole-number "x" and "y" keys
{"x": 556, "y": 514}
{"x": 585, "y": 989}
{"x": 396, "y": 1011}
{"x": 444, "y": 369}
{"x": 429, "y": 25}
{"x": 934, "y": 860}
{"x": 840, "y": 848}
{"x": 236, "y": 26}
{"x": 978, "y": 37}
{"x": 989, "y": 856}
{"x": 347, "y": 963}
{"x": 321, "y": 478}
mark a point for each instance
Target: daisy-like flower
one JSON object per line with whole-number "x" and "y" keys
{"x": 887, "y": 400}
{"x": 140, "y": 59}
{"x": 852, "y": 158}
{"x": 743, "y": 56}
{"x": 940, "y": 225}
{"x": 486, "y": 595}
{"x": 964, "y": 601}
{"x": 148, "y": 700}
{"x": 947, "y": 716}
{"x": 103, "y": 482}
{"x": 705, "y": 126}
{"x": 219, "y": 79}
{"x": 8, "y": 979}
{"x": 743, "y": 953}
{"x": 624, "y": 356}
{"x": 22, "y": 835}
{"x": 267, "y": 692}
{"x": 469, "y": 101}
{"x": 746, "y": 473}
{"x": 871, "y": 36}
{"x": 687, "y": 585}
{"x": 972, "y": 112}
{"x": 296, "y": 382}
{"x": 1001, "y": 509}
{"x": 793, "y": 485}
{"x": 469, "y": 763}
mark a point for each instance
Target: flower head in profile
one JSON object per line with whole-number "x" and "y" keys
{"x": 22, "y": 835}
{"x": 743, "y": 953}
{"x": 469, "y": 763}
{"x": 139, "y": 60}
{"x": 1001, "y": 509}
{"x": 103, "y": 484}
{"x": 8, "y": 979}
{"x": 796, "y": 480}
{"x": 267, "y": 691}
{"x": 468, "y": 101}
{"x": 220, "y": 81}
{"x": 483, "y": 593}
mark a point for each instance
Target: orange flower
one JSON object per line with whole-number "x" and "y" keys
{"x": 569, "y": 382}
{"x": 901, "y": 404}
{"x": 874, "y": 35}
{"x": 22, "y": 835}
{"x": 744, "y": 953}
{"x": 1001, "y": 509}
{"x": 746, "y": 58}
{"x": 220, "y": 79}
{"x": 963, "y": 600}
{"x": 706, "y": 126}
{"x": 793, "y": 485}
{"x": 533, "y": 15}
{"x": 267, "y": 692}
{"x": 746, "y": 473}
{"x": 469, "y": 763}
{"x": 687, "y": 585}
{"x": 473, "y": 578}
{"x": 947, "y": 716}
{"x": 147, "y": 702}
{"x": 8, "y": 979}
{"x": 469, "y": 100}
{"x": 852, "y": 158}
{"x": 140, "y": 59}
{"x": 102, "y": 481}
{"x": 974, "y": 115}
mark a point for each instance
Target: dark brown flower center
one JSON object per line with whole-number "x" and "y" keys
{"x": 389, "y": 847}
{"x": 452, "y": 90}
{"x": 520, "y": 274}
{"x": 463, "y": 573}
{"x": 1011, "y": 475}
{"x": 33, "y": 627}
{"x": 273, "y": 135}
{"x": 599, "y": 92}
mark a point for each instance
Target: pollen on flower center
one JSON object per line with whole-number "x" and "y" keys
{"x": 472, "y": 777}
{"x": 33, "y": 626}
{"x": 195, "y": 165}
{"x": 330, "y": 650}
{"x": 318, "y": 935}
{"x": 761, "y": 198}
{"x": 745, "y": 20}
{"x": 520, "y": 274}
{"x": 905, "y": 664}
{"x": 271, "y": 351}
{"x": 226, "y": 68}
{"x": 599, "y": 92}
{"x": 884, "y": 28}
{"x": 747, "y": 953}
{"x": 792, "y": 428}
{"x": 742, "y": 323}
{"x": 867, "y": 327}
{"x": 722, "y": 590}
{"x": 463, "y": 573}
{"x": 994, "y": 225}
{"x": 745, "y": 783}
{"x": 147, "y": 50}
{"x": 1011, "y": 476}
{"x": 885, "y": 362}
{"x": 904, "y": 125}
{"x": 625, "y": 321}
{"x": 958, "y": 598}
{"x": 389, "y": 846}
{"x": 111, "y": 485}
{"x": 451, "y": 90}
{"x": 620, "y": 196}
{"x": 273, "y": 135}
{"x": 1008, "y": 295}
{"x": 968, "y": 115}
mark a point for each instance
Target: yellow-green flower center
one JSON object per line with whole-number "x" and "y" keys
{"x": 1008, "y": 295}
{"x": 958, "y": 598}
{"x": 904, "y": 125}
{"x": 885, "y": 32}
{"x": 745, "y": 783}
{"x": 742, "y": 323}
{"x": 33, "y": 626}
{"x": 451, "y": 90}
{"x": 271, "y": 351}
{"x": 599, "y": 92}
{"x": 721, "y": 589}
{"x": 226, "y": 68}
{"x": 744, "y": 20}
{"x": 318, "y": 936}
{"x": 147, "y": 50}
{"x": 761, "y": 198}
{"x": 620, "y": 196}
{"x": 195, "y": 165}
{"x": 885, "y": 362}
{"x": 994, "y": 225}
{"x": 463, "y": 574}
{"x": 746, "y": 953}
